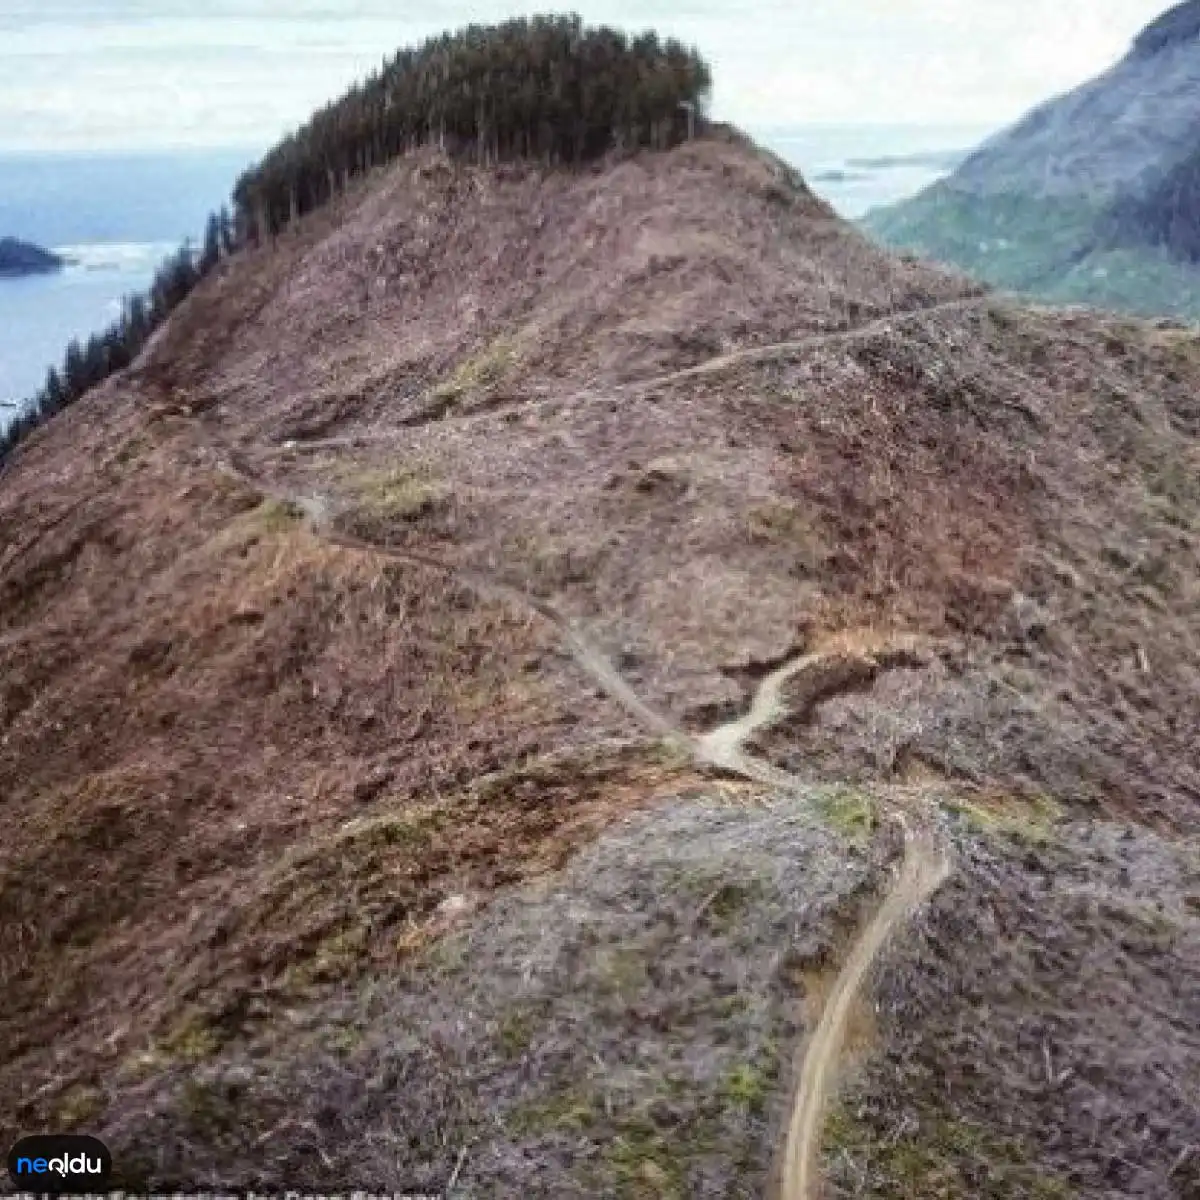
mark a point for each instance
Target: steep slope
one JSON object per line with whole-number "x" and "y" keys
{"x": 353, "y": 642}
{"x": 1070, "y": 203}
{"x": 1165, "y": 215}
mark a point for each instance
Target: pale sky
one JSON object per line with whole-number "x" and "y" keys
{"x": 153, "y": 74}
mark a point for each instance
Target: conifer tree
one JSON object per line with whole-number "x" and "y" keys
{"x": 544, "y": 88}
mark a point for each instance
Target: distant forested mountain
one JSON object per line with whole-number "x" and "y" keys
{"x": 1093, "y": 197}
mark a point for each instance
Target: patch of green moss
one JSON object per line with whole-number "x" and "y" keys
{"x": 344, "y": 1039}
{"x": 77, "y": 1106}
{"x": 193, "y": 1040}
{"x": 1029, "y": 820}
{"x": 515, "y": 1033}
{"x": 399, "y": 494}
{"x": 337, "y": 956}
{"x": 645, "y": 1161}
{"x": 571, "y": 1110}
{"x": 131, "y": 449}
{"x": 944, "y": 1158}
{"x": 731, "y": 899}
{"x": 748, "y": 1086}
{"x": 728, "y": 1006}
{"x": 276, "y": 516}
{"x": 485, "y": 369}
{"x": 851, "y": 812}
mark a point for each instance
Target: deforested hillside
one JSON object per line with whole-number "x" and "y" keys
{"x": 592, "y": 679}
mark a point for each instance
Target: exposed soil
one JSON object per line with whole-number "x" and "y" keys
{"x": 260, "y": 776}
{"x": 924, "y": 869}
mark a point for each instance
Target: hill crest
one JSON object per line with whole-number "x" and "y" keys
{"x": 359, "y": 642}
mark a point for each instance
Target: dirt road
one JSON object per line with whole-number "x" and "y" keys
{"x": 924, "y": 865}
{"x": 921, "y": 873}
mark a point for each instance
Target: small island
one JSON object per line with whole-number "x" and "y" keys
{"x": 23, "y": 258}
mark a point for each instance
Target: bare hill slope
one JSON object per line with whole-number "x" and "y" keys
{"x": 353, "y": 644}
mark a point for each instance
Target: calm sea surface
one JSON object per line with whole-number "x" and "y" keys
{"x": 120, "y": 216}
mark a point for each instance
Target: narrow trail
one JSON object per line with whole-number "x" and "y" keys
{"x": 722, "y": 362}
{"x": 589, "y": 657}
{"x": 922, "y": 872}
{"x": 924, "y": 865}
{"x": 711, "y": 366}
{"x": 724, "y": 746}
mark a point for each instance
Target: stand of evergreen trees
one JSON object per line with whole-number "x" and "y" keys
{"x": 544, "y": 88}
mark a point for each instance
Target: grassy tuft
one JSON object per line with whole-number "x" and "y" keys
{"x": 399, "y": 494}
{"x": 943, "y": 1158}
{"x": 1031, "y": 821}
{"x": 851, "y": 812}
{"x": 193, "y": 1040}
{"x": 276, "y": 516}
{"x": 486, "y": 369}
{"x": 748, "y": 1087}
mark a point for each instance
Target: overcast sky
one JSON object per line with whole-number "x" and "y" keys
{"x": 151, "y": 74}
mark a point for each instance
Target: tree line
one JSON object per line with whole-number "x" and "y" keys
{"x": 89, "y": 363}
{"x": 544, "y": 88}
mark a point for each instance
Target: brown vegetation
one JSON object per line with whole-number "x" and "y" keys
{"x": 246, "y": 769}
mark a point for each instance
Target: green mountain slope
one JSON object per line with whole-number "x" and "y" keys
{"x": 1088, "y": 199}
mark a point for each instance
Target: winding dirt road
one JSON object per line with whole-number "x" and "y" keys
{"x": 924, "y": 865}
{"x": 710, "y": 366}
{"x": 830, "y": 337}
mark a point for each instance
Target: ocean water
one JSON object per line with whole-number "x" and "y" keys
{"x": 119, "y": 216}
{"x": 860, "y": 167}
